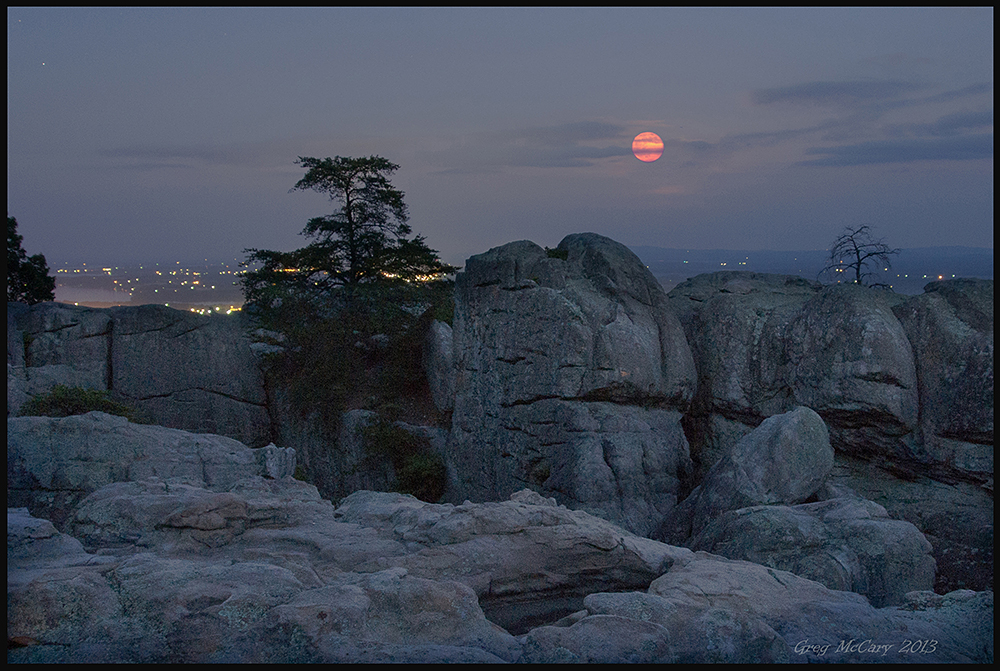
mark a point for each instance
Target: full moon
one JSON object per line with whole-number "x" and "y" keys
{"x": 647, "y": 147}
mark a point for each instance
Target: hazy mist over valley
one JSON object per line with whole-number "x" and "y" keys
{"x": 210, "y": 284}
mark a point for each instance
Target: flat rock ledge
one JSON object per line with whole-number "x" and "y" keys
{"x": 264, "y": 570}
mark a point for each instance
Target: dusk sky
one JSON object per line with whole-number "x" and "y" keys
{"x": 166, "y": 134}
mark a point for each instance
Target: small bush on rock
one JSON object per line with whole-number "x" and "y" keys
{"x": 64, "y": 401}
{"x": 419, "y": 471}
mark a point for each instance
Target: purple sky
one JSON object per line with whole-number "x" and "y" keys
{"x": 166, "y": 134}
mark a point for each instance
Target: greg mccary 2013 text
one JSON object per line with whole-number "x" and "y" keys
{"x": 867, "y": 647}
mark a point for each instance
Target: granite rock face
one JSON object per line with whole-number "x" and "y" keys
{"x": 850, "y": 361}
{"x": 902, "y": 382}
{"x": 197, "y": 551}
{"x": 847, "y": 544}
{"x": 439, "y": 365}
{"x": 904, "y": 385}
{"x": 53, "y": 463}
{"x": 269, "y": 572}
{"x": 785, "y": 460}
{"x": 571, "y": 372}
{"x": 950, "y": 327}
{"x": 183, "y": 370}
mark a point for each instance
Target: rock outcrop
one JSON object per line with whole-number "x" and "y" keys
{"x": 785, "y": 460}
{"x": 904, "y": 385}
{"x": 752, "y": 505}
{"x": 571, "y": 375}
{"x": 269, "y": 572}
{"x": 950, "y": 327}
{"x": 183, "y": 370}
{"x": 53, "y": 463}
{"x": 844, "y": 543}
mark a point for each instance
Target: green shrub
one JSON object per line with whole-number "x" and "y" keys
{"x": 64, "y": 401}
{"x": 557, "y": 253}
{"x": 419, "y": 471}
{"x": 423, "y": 475}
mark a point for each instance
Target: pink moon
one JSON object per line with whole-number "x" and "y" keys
{"x": 647, "y": 147}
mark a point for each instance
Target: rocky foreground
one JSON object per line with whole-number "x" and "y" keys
{"x": 834, "y": 444}
{"x": 164, "y": 558}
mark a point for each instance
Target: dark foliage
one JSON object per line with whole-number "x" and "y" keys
{"x": 360, "y": 253}
{"x": 557, "y": 253}
{"x": 352, "y": 304}
{"x": 419, "y": 471}
{"x": 28, "y": 279}
{"x": 64, "y": 401}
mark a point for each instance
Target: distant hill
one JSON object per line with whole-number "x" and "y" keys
{"x": 911, "y": 268}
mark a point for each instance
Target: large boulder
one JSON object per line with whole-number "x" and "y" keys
{"x": 783, "y": 461}
{"x": 182, "y": 370}
{"x": 735, "y": 323}
{"x": 53, "y": 463}
{"x": 950, "y": 327}
{"x": 565, "y": 362}
{"x": 849, "y": 360}
{"x": 847, "y": 544}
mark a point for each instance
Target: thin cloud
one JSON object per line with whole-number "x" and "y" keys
{"x": 156, "y": 157}
{"x": 950, "y": 124}
{"x": 964, "y": 92}
{"x": 965, "y": 148}
{"x": 569, "y": 145}
{"x": 572, "y": 133}
{"x": 834, "y": 94}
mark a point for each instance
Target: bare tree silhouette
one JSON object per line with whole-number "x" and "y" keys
{"x": 854, "y": 251}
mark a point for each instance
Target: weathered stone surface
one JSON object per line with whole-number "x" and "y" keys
{"x": 784, "y": 460}
{"x": 847, "y": 544}
{"x": 59, "y": 344}
{"x": 622, "y": 463}
{"x": 189, "y": 371}
{"x": 527, "y": 562}
{"x": 850, "y": 361}
{"x": 714, "y": 635}
{"x": 539, "y": 343}
{"x": 56, "y": 591}
{"x": 815, "y": 623}
{"x": 184, "y": 370}
{"x": 394, "y": 610}
{"x": 599, "y": 639}
{"x": 302, "y": 584}
{"x": 956, "y": 517}
{"x": 52, "y": 463}
{"x": 950, "y": 327}
{"x": 735, "y": 323}
{"x": 439, "y": 365}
